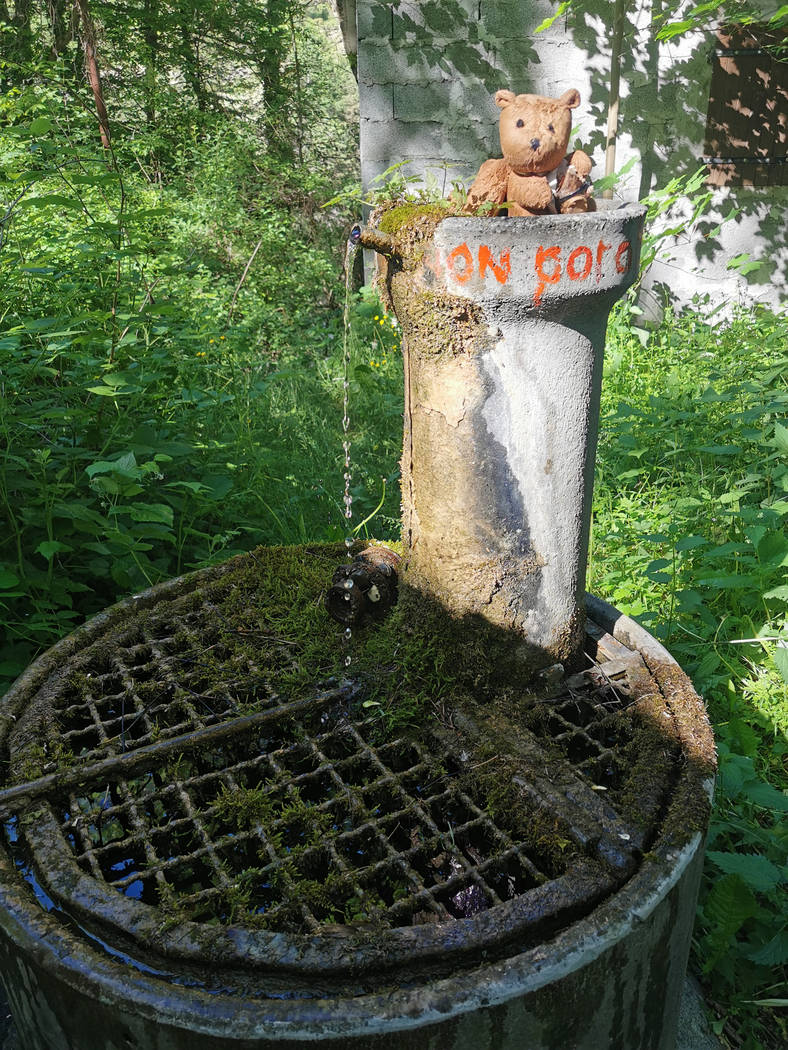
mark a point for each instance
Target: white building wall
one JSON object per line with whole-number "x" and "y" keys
{"x": 428, "y": 70}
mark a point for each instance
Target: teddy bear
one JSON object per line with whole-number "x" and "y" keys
{"x": 535, "y": 176}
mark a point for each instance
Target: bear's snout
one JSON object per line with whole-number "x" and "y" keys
{"x": 534, "y": 143}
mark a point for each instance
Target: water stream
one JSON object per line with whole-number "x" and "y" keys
{"x": 350, "y": 255}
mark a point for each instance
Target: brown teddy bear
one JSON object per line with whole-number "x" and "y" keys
{"x": 535, "y": 176}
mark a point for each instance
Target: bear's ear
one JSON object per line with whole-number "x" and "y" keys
{"x": 570, "y": 98}
{"x": 505, "y": 98}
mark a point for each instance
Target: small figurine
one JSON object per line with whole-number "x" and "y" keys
{"x": 535, "y": 176}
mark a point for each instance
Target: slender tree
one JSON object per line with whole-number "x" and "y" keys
{"x": 92, "y": 69}
{"x": 150, "y": 35}
{"x": 60, "y": 21}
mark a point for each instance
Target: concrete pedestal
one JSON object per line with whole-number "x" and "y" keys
{"x": 503, "y": 326}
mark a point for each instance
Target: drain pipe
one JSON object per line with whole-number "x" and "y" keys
{"x": 503, "y": 324}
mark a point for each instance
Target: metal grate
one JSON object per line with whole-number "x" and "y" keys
{"x": 180, "y": 794}
{"x": 153, "y": 685}
{"x": 351, "y": 833}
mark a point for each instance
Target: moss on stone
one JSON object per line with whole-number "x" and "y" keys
{"x": 258, "y": 626}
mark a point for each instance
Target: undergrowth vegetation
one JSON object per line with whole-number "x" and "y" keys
{"x": 689, "y": 536}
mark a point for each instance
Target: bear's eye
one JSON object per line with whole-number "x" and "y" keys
{"x": 550, "y": 127}
{"x": 520, "y": 123}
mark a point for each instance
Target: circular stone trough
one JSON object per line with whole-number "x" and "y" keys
{"x": 197, "y": 856}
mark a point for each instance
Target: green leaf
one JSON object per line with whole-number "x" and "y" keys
{"x": 189, "y": 486}
{"x": 51, "y": 199}
{"x": 721, "y": 450}
{"x": 732, "y": 777}
{"x": 551, "y": 18}
{"x": 746, "y": 736}
{"x": 729, "y": 905}
{"x": 127, "y": 462}
{"x": 780, "y": 658}
{"x": 150, "y": 512}
{"x": 780, "y": 593}
{"x": 40, "y": 126}
{"x": 763, "y": 794}
{"x": 710, "y": 394}
{"x": 102, "y": 466}
{"x": 733, "y": 582}
{"x": 115, "y": 379}
{"x": 105, "y": 391}
{"x": 756, "y": 871}
{"x": 688, "y": 600}
{"x": 743, "y": 263}
{"x": 773, "y": 953}
{"x": 8, "y": 580}
{"x": 781, "y": 437}
{"x": 773, "y": 549}
{"x": 218, "y": 484}
{"x": 688, "y": 543}
{"x": 607, "y": 182}
{"x": 671, "y": 29}
{"x": 49, "y": 548}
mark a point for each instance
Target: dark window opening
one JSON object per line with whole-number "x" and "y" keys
{"x": 747, "y": 125}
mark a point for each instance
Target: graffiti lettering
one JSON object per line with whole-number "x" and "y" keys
{"x": 461, "y": 252}
{"x": 601, "y": 248}
{"x": 550, "y": 265}
{"x": 542, "y": 255}
{"x": 486, "y": 261}
{"x": 571, "y": 263}
{"x": 624, "y": 253}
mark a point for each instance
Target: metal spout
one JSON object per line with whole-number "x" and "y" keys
{"x": 380, "y": 242}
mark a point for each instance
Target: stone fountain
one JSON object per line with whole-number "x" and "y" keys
{"x": 211, "y": 840}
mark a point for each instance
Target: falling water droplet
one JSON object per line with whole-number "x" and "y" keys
{"x": 347, "y": 498}
{"x": 350, "y": 255}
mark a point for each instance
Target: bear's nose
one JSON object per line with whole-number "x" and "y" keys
{"x": 534, "y": 143}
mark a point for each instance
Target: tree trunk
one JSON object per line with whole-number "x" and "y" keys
{"x": 614, "y": 93}
{"x": 190, "y": 56}
{"x": 276, "y": 96}
{"x": 92, "y": 69}
{"x": 61, "y": 26}
{"x": 150, "y": 34}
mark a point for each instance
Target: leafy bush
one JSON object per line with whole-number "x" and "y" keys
{"x": 689, "y": 535}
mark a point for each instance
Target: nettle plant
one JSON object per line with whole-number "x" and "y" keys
{"x": 690, "y": 509}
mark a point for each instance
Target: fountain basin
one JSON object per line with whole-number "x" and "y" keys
{"x": 513, "y": 866}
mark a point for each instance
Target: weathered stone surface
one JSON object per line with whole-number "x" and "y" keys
{"x": 503, "y": 324}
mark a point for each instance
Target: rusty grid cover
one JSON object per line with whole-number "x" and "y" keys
{"x": 403, "y": 844}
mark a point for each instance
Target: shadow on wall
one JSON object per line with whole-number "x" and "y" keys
{"x": 727, "y": 101}
{"x": 429, "y": 72}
